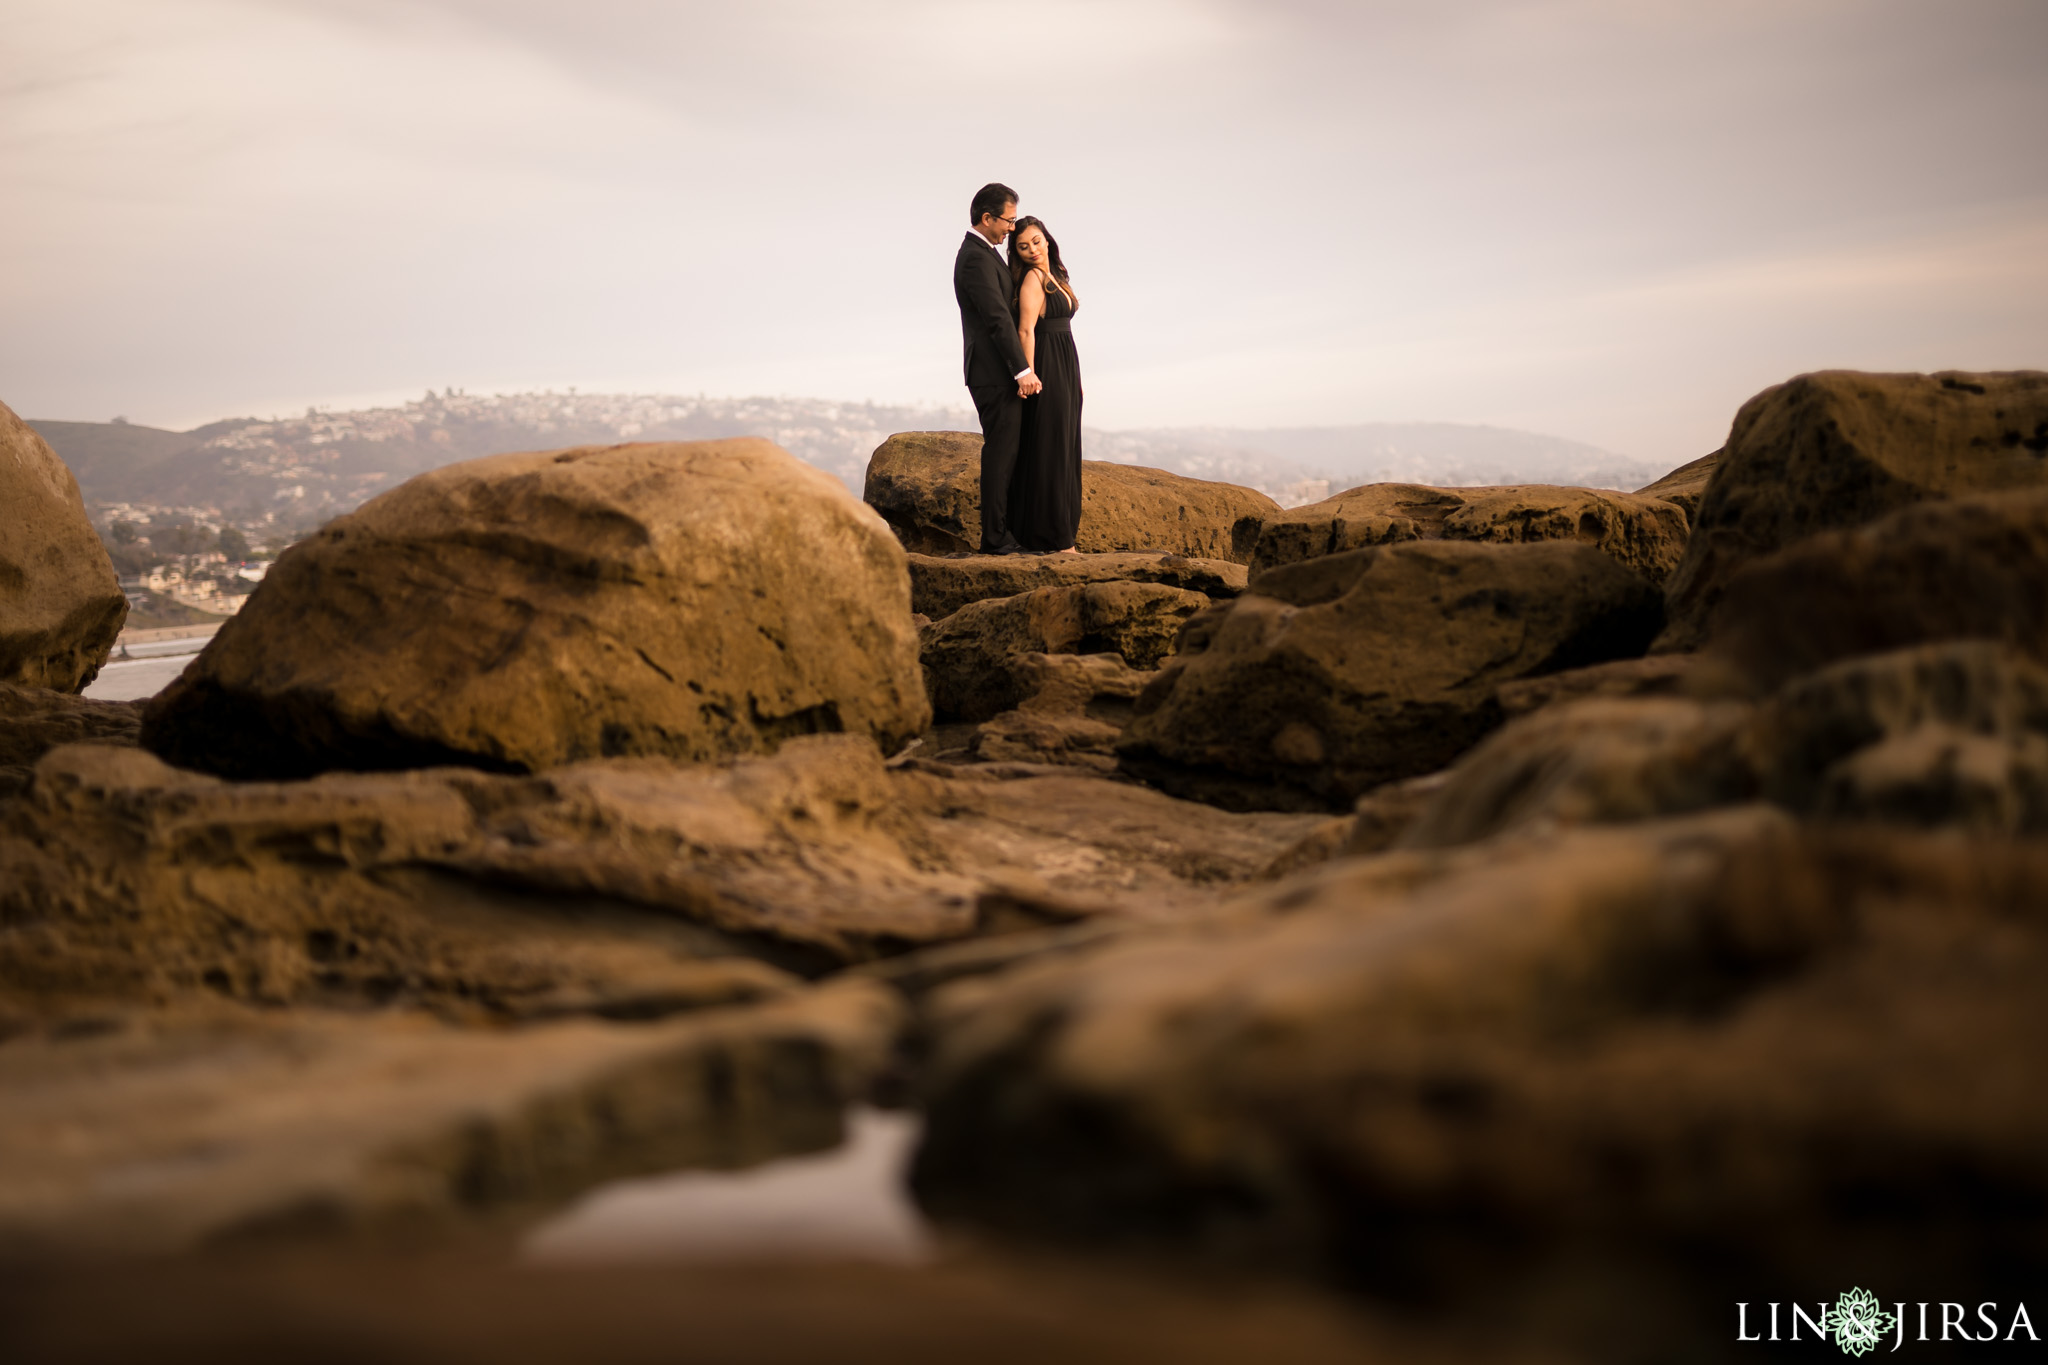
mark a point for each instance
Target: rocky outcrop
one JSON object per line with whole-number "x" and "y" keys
{"x": 60, "y": 607}
{"x": 35, "y": 720}
{"x": 927, "y": 486}
{"x": 1944, "y": 735}
{"x": 1838, "y": 449}
{"x": 1952, "y": 734}
{"x": 233, "y": 1126}
{"x": 1685, "y": 485}
{"x": 941, "y": 586}
{"x": 621, "y": 887}
{"x": 973, "y": 660}
{"x": 1075, "y": 708}
{"x": 689, "y": 601}
{"x": 1964, "y": 568}
{"x": 1644, "y": 533}
{"x": 1336, "y": 674}
{"x": 1717, "y": 1051}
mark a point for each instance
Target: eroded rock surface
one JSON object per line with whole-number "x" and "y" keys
{"x": 60, "y": 607}
{"x": 1644, "y": 533}
{"x": 927, "y": 486}
{"x": 35, "y": 720}
{"x": 1075, "y": 708}
{"x": 624, "y": 887}
{"x": 1963, "y": 568}
{"x": 1339, "y": 673}
{"x": 973, "y": 660}
{"x": 1686, "y": 1053}
{"x": 517, "y": 612}
{"x": 1944, "y": 735}
{"x": 1840, "y": 448}
{"x": 940, "y": 586}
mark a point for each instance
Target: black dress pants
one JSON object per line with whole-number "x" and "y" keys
{"x": 1002, "y": 420}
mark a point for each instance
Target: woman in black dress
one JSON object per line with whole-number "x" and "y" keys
{"x": 1045, "y": 492}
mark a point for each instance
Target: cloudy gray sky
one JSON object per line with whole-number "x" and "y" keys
{"x": 1606, "y": 219}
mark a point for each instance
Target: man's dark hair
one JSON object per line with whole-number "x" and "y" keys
{"x": 989, "y": 199}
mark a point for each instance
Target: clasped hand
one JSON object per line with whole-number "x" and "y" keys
{"x": 1028, "y": 385}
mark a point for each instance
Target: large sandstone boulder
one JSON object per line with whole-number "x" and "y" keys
{"x": 940, "y": 586}
{"x": 1841, "y": 448}
{"x": 974, "y": 660}
{"x": 927, "y": 486}
{"x": 60, "y": 606}
{"x": 516, "y": 612}
{"x": 1644, "y": 533}
{"x": 1690, "y": 1057}
{"x": 1336, "y": 674}
{"x": 1963, "y": 568}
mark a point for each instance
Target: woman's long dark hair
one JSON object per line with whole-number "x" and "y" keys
{"x": 1019, "y": 269}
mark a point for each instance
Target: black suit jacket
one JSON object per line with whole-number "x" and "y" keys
{"x": 991, "y": 353}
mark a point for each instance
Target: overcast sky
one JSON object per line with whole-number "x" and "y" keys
{"x": 1611, "y": 220}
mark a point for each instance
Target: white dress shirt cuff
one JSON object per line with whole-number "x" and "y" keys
{"x": 1021, "y": 373}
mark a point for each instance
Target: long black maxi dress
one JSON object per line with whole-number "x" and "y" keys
{"x": 1045, "y": 492}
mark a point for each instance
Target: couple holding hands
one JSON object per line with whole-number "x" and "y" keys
{"x": 1024, "y": 374}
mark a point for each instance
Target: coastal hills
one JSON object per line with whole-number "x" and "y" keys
{"x": 299, "y": 471}
{"x": 1529, "y": 920}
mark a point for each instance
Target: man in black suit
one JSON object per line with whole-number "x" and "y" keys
{"x": 997, "y": 375}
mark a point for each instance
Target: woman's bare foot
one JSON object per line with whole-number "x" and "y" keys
{"x": 1070, "y": 550}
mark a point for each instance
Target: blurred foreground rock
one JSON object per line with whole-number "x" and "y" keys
{"x": 927, "y": 486}
{"x": 437, "y": 1310}
{"x": 60, "y": 607}
{"x": 1838, "y": 449}
{"x": 35, "y": 720}
{"x": 171, "y": 1133}
{"x": 689, "y": 601}
{"x": 1339, "y": 673}
{"x": 1684, "y": 1057}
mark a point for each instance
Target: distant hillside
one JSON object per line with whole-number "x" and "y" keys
{"x": 108, "y": 457}
{"x": 309, "y": 468}
{"x": 301, "y": 471}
